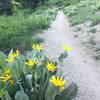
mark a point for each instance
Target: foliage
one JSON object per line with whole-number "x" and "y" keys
{"x": 84, "y": 10}
{"x": 16, "y": 31}
{"x": 33, "y": 76}
{"x": 37, "y": 39}
{"x": 63, "y": 3}
{"x": 92, "y": 40}
{"x": 8, "y": 6}
{"x": 95, "y": 19}
{"x": 93, "y": 30}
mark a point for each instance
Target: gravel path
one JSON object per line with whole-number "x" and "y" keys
{"x": 78, "y": 67}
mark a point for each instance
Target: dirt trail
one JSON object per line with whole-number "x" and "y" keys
{"x": 79, "y": 67}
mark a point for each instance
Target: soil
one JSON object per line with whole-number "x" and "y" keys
{"x": 90, "y": 39}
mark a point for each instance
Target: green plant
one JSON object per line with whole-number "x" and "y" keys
{"x": 63, "y": 3}
{"x": 17, "y": 30}
{"x": 33, "y": 76}
{"x": 82, "y": 11}
{"x": 93, "y": 30}
{"x": 70, "y": 10}
{"x": 95, "y": 19}
{"x": 78, "y": 28}
{"x": 7, "y": 6}
{"x": 37, "y": 39}
{"x": 92, "y": 40}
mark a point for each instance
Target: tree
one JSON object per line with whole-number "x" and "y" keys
{"x": 7, "y": 6}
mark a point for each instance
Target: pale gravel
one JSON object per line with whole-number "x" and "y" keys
{"x": 78, "y": 67}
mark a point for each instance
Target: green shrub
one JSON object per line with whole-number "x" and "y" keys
{"x": 63, "y": 3}
{"x": 93, "y": 30}
{"x": 92, "y": 40}
{"x": 40, "y": 21}
{"x": 37, "y": 39}
{"x": 9, "y": 41}
{"x": 17, "y": 30}
{"x": 84, "y": 10}
{"x": 95, "y": 19}
{"x": 33, "y": 76}
{"x": 8, "y": 6}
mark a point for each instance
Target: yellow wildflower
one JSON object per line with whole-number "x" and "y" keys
{"x": 62, "y": 89}
{"x": 51, "y": 67}
{"x": 67, "y": 48}
{"x": 7, "y": 71}
{"x": 12, "y": 56}
{"x": 10, "y": 59}
{"x": 11, "y": 82}
{"x": 1, "y": 93}
{"x": 33, "y": 46}
{"x": 37, "y": 47}
{"x": 17, "y": 53}
{"x": 6, "y": 76}
{"x": 31, "y": 63}
{"x": 58, "y": 82}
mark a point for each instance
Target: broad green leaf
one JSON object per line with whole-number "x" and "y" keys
{"x": 21, "y": 95}
{"x": 29, "y": 82}
{"x": 2, "y": 60}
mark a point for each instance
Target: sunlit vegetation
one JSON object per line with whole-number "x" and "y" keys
{"x": 20, "y": 22}
{"x": 84, "y": 10}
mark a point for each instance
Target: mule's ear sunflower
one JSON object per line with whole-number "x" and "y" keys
{"x": 51, "y": 67}
{"x": 58, "y": 82}
{"x": 67, "y": 48}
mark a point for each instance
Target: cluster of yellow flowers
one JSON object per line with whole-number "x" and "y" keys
{"x": 12, "y": 56}
{"x": 37, "y": 47}
{"x": 58, "y": 82}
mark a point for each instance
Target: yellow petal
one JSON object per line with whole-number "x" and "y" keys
{"x": 67, "y": 48}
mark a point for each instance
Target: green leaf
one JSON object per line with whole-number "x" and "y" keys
{"x": 62, "y": 57}
{"x": 37, "y": 74}
{"x": 2, "y": 60}
{"x": 70, "y": 92}
{"x": 21, "y": 95}
{"x": 51, "y": 92}
{"x": 29, "y": 82}
{"x": 12, "y": 89}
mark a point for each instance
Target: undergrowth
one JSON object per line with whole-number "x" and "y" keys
{"x": 17, "y": 30}
{"x": 84, "y": 10}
